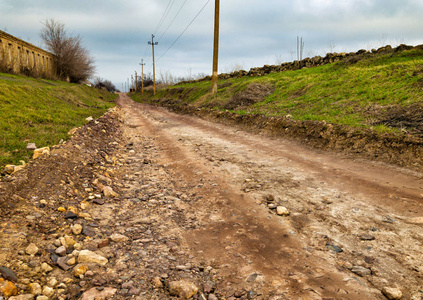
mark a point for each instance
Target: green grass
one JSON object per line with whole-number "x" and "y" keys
{"x": 42, "y": 112}
{"x": 339, "y": 93}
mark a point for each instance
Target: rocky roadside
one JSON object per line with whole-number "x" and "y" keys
{"x": 140, "y": 205}
{"x": 99, "y": 219}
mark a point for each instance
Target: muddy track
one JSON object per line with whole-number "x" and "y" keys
{"x": 345, "y": 215}
{"x": 405, "y": 150}
{"x": 143, "y": 200}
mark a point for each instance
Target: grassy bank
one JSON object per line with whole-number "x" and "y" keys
{"x": 380, "y": 92}
{"x": 42, "y": 112}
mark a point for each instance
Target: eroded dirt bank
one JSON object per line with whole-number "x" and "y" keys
{"x": 197, "y": 205}
{"x": 404, "y": 150}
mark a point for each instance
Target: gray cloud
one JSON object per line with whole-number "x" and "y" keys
{"x": 252, "y": 33}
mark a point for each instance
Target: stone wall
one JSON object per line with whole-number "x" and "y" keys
{"x": 20, "y": 57}
{"x": 316, "y": 61}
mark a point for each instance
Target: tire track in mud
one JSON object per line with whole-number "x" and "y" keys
{"x": 236, "y": 229}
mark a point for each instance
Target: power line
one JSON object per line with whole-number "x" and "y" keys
{"x": 171, "y": 22}
{"x": 184, "y": 30}
{"x": 166, "y": 12}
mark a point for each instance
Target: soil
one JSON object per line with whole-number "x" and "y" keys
{"x": 235, "y": 214}
{"x": 254, "y": 93}
{"x": 409, "y": 119}
{"x": 404, "y": 149}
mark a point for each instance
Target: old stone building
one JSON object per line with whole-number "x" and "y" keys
{"x": 20, "y": 57}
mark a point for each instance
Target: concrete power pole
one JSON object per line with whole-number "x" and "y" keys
{"x": 142, "y": 64}
{"x": 152, "y": 43}
{"x": 215, "y": 47}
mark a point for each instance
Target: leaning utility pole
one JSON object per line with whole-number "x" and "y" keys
{"x": 215, "y": 47}
{"x": 152, "y": 43}
{"x": 142, "y": 64}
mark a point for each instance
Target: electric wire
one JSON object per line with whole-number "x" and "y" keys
{"x": 171, "y": 22}
{"x": 164, "y": 16}
{"x": 184, "y": 30}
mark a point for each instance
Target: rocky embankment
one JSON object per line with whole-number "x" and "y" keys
{"x": 70, "y": 229}
{"x": 316, "y": 61}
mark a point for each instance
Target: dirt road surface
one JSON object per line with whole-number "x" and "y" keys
{"x": 232, "y": 214}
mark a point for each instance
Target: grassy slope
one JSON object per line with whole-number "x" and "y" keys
{"x": 340, "y": 93}
{"x": 42, "y": 112}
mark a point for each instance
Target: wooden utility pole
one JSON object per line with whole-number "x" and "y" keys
{"x": 136, "y": 82}
{"x": 152, "y": 43}
{"x": 142, "y": 75}
{"x": 215, "y": 47}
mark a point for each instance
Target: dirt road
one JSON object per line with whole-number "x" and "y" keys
{"x": 147, "y": 204}
{"x": 354, "y": 227}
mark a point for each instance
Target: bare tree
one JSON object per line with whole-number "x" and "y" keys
{"x": 292, "y": 54}
{"x": 73, "y": 61}
{"x": 278, "y": 59}
{"x": 189, "y": 74}
{"x": 100, "y": 83}
{"x": 382, "y": 40}
{"x": 166, "y": 77}
{"x": 234, "y": 67}
{"x": 331, "y": 46}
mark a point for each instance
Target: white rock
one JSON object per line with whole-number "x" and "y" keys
{"x": 46, "y": 267}
{"x": 73, "y": 131}
{"x": 282, "y": 211}
{"x": 41, "y": 152}
{"x": 87, "y": 256}
{"x": 48, "y": 291}
{"x": 77, "y": 246}
{"x": 22, "y": 297}
{"x": 184, "y": 289}
{"x": 52, "y": 282}
{"x": 9, "y": 169}
{"x": 392, "y": 293}
{"x": 118, "y": 238}
{"x": 106, "y": 293}
{"x": 76, "y": 229}
{"x": 416, "y": 221}
{"x": 61, "y": 251}
{"x": 109, "y": 192}
{"x": 35, "y": 288}
{"x": 21, "y": 167}
{"x": 31, "y": 146}
{"x": 42, "y": 297}
{"x": 32, "y": 249}
{"x": 89, "y": 119}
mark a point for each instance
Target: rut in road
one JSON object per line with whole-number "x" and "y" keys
{"x": 354, "y": 226}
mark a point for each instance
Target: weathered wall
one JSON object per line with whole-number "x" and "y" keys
{"x": 310, "y": 62}
{"x": 20, "y": 57}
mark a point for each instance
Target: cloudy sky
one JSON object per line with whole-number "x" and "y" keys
{"x": 252, "y": 33}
